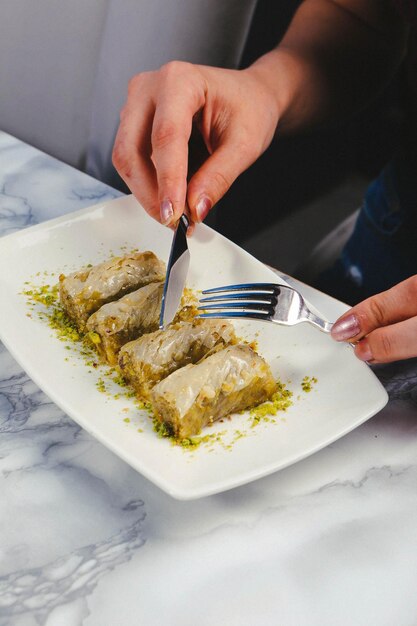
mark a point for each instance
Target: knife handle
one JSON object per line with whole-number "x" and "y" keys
{"x": 185, "y": 222}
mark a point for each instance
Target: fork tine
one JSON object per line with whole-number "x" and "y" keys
{"x": 254, "y": 296}
{"x": 243, "y": 306}
{"x": 258, "y": 287}
{"x": 236, "y": 314}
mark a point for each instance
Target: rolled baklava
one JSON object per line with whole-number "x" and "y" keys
{"x": 228, "y": 381}
{"x": 84, "y": 292}
{"x": 117, "y": 323}
{"x": 146, "y": 361}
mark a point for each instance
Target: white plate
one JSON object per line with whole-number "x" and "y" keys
{"x": 347, "y": 392}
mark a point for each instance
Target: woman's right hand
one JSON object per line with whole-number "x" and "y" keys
{"x": 236, "y": 113}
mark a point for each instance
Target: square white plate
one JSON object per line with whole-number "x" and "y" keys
{"x": 347, "y": 392}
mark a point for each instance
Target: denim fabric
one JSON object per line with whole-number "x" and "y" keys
{"x": 382, "y": 249}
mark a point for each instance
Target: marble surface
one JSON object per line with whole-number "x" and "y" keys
{"x": 85, "y": 540}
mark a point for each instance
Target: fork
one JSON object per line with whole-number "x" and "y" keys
{"x": 261, "y": 301}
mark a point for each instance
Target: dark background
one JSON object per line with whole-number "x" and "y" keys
{"x": 304, "y": 185}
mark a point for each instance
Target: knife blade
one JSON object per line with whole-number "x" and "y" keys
{"x": 177, "y": 269}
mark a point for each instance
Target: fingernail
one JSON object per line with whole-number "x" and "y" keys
{"x": 346, "y": 328}
{"x": 166, "y": 211}
{"x": 363, "y": 351}
{"x": 202, "y": 208}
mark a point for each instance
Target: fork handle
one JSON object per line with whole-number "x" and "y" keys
{"x": 319, "y": 322}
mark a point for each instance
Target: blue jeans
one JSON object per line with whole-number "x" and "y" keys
{"x": 382, "y": 249}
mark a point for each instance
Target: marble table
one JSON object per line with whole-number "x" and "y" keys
{"x": 85, "y": 540}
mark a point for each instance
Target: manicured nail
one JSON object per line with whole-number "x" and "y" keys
{"x": 166, "y": 211}
{"x": 202, "y": 208}
{"x": 363, "y": 351}
{"x": 346, "y": 328}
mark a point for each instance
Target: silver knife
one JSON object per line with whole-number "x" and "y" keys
{"x": 177, "y": 269}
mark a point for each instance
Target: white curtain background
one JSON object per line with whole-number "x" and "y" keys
{"x": 64, "y": 66}
{"x": 49, "y": 53}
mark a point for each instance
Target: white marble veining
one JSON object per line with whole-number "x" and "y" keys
{"x": 86, "y": 541}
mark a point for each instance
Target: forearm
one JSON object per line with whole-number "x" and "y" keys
{"x": 333, "y": 59}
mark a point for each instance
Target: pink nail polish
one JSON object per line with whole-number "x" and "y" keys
{"x": 346, "y": 328}
{"x": 166, "y": 211}
{"x": 365, "y": 353}
{"x": 203, "y": 207}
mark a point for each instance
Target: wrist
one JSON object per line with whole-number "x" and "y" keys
{"x": 295, "y": 86}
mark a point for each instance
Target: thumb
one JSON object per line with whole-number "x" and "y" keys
{"x": 388, "y": 307}
{"x": 215, "y": 176}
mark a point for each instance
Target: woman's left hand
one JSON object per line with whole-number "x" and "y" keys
{"x": 384, "y": 326}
